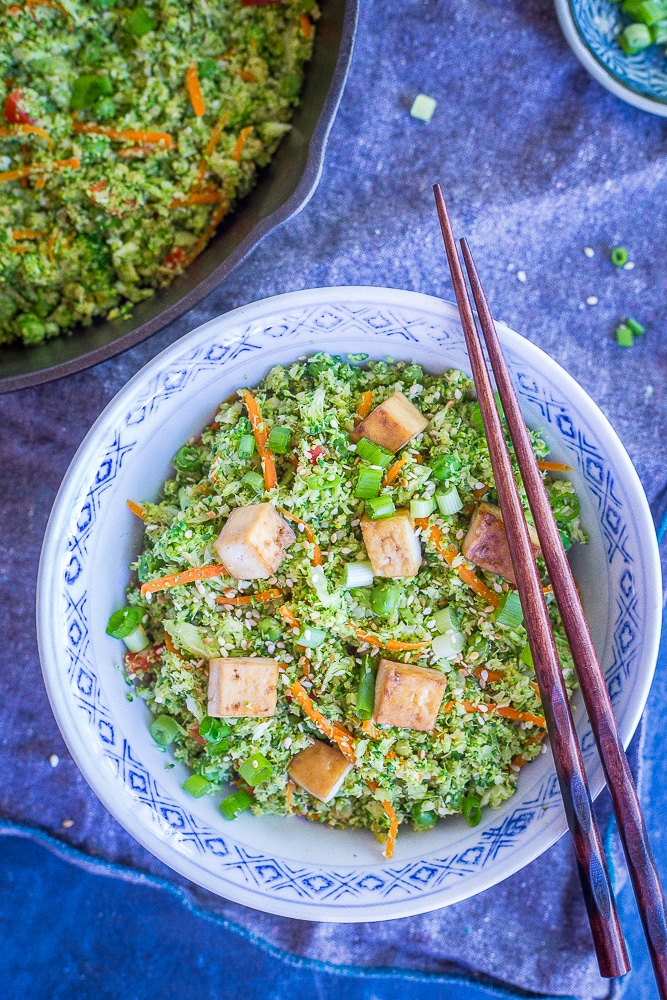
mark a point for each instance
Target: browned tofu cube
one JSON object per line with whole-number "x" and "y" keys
{"x": 392, "y": 545}
{"x": 242, "y": 687}
{"x": 486, "y": 545}
{"x": 252, "y": 544}
{"x": 392, "y": 423}
{"x": 408, "y": 696}
{"x": 320, "y": 769}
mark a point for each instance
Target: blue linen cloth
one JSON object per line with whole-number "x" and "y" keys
{"x": 537, "y": 162}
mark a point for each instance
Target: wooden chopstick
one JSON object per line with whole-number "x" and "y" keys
{"x": 641, "y": 865}
{"x": 599, "y": 898}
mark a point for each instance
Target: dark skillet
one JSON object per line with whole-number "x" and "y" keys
{"x": 283, "y": 188}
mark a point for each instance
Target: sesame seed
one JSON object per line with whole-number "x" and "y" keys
{"x": 592, "y": 300}
{"x": 629, "y": 266}
{"x": 521, "y": 276}
{"x": 54, "y": 760}
{"x": 589, "y": 251}
{"x": 67, "y": 823}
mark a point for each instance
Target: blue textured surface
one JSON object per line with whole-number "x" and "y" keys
{"x": 537, "y": 162}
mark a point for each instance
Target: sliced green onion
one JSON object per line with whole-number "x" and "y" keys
{"x": 254, "y": 480}
{"x": 636, "y": 327}
{"x": 619, "y": 256}
{"x": 368, "y": 483}
{"x": 421, "y": 508}
{"x": 374, "y": 454}
{"x": 384, "y": 599}
{"x": 270, "y": 629}
{"x": 328, "y": 481}
{"x": 235, "y": 804}
{"x": 423, "y": 819}
{"x": 187, "y": 459}
{"x": 137, "y": 640}
{"x": 448, "y": 645}
{"x": 402, "y": 748}
{"x": 279, "y": 439}
{"x": 140, "y": 22}
{"x": 379, "y": 508}
{"x": 445, "y": 466}
{"x": 196, "y": 786}
{"x": 213, "y": 730}
{"x": 471, "y": 810}
{"x": 86, "y": 90}
{"x": 565, "y": 539}
{"x": 123, "y": 622}
{"x": 476, "y": 415}
{"x": 246, "y": 446}
{"x": 164, "y": 730}
{"x": 357, "y": 574}
{"x": 624, "y": 336}
{"x": 255, "y": 769}
{"x": 646, "y": 11}
{"x": 446, "y": 620}
{"x": 366, "y": 689}
{"x": 509, "y": 612}
{"x": 634, "y": 38}
{"x": 206, "y": 68}
{"x": 311, "y": 637}
{"x": 449, "y": 502}
{"x": 526, "y": 656}
{"x": 565, "y": 506}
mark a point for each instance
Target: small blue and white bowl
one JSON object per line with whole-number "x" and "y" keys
{"x": 286, "y": 865}
{"x": 591, "y": 28}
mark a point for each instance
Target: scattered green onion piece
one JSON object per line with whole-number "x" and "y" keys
{"x": 636, "y": 327}
{"x": 311, "y": 637}
{"x": 565, "y": 539}
{"x": 445, "y": 466}
{"x": 246, "y": 446}
{"x": 565, "y": 506}
{"x": 366, "y": 689}
{"x": 619, "y": 256}
{"x": 379, "y": 508}
{"x": 123, "y": 622}
{"x": 624, "y": 336}
{"x": 196, "y": 786}
{"x": 86, "y": 90}
{"x": 213, "y": 730}
{"x": 357, "y": 574}
{"x": 509, "y": 611}
{"x": 368, "y": 483}
{"x": 164, "y": 730}
{"x": 421, "y": 508}
{"x": 471, "y": 809}
{"x": 449, "y": 502}
{"x": 137, "y": 640}
{"x": 140, "y": 22}
{"x": 254, "y": 480}
{"x": 374, "y": 454}
{"x": 634, "y": 38}
{"x": 645, "y": 11}
{"x": 446, "y": 620}
{"x": 279, "y": 439}
{"x": 659, "y": 32}
{"x": 423, "y": 819}
{"x": 384, "y": 599}
{"x": 526, "y": 656}
{"x": 255, "y": 769}
{"x": 235, "y": 804}
{"x": 476, "y": 415}
{"x": 402, "y": 748}
{"x": 187, "y": 459}
{"x": 270, "y": 629}
{"x": 328, "y": 481}
{"x": 448, "y": 645}
{"x": 206, "y": 68}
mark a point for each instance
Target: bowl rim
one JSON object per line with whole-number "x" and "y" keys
{"x": 620, "y": 89}
{"x": 297, "y": 200}
{"x": 48, "y": 582}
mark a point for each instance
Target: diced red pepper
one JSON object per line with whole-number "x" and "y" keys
{"x": 13, "y": 110}
{"x": 177, "y": 258}
{"x": 147, "y": 659}
{"x": 315, "y": 453}
{"x": 193, "y": 732}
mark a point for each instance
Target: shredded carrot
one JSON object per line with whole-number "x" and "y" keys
{"x": 14, "y": 131}
{"x": 19, "y": 249}
{"x": 370, "y": 729}
{"x": 421, "y": 522}
{"x": 262, "y": 597}
{"x": 506, "y": 712}
{"x": 478, "y": 494}
{"x": 169, "y": 643}
{"x": 27, "y": 234}
{"x": 306, "y": 27}
{"x": 240, "y": 143}
{"x": 310, "y": 535}
{"x": 304, "y": 663}
{"x": 553, "y": 466}
{"x": 332, "y": 730}
{"x": 289, "y": 793}
{"x": 420, "y": 459}
{"x": 14, "y": 10}
{"x": 288, "y": 616}
{"x": 491, "y": 675}
{"x": 136, "y": 509}
{"x": 211, "y": 197}
{"x": 394, "y": 470}
{"x": 518, "y": 761}
{"x": 261, "y": 437}
{"x": 39, "y": 168}
{"x": 39, "y": 183}
{"x": 245, "y": 74}
{"x": 194, "y": 91}
{"x": 217, "y": 215}
{"x": 449, "y": 553}
{"x": 547, "y": 590}
{"x": 365, "y": 404}
{"x": 176, "y": 579}
{"x": 393, "y": 829}
{"x": 136, "y": 135}
{"x": 213, "y": 141}
{"x": 396, "y": 644}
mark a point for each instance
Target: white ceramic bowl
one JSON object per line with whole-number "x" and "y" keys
{"x": 290, "y": 866}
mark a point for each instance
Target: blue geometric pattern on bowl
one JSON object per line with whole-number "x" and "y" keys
{"x": 207, "y": 850}
{"x": 599, "y": 23}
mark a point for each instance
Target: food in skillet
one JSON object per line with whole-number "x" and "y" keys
{"x": 128, "y": 130}
{"x": 324, "y": 612}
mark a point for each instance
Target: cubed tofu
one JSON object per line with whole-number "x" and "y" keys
{"x": 486, "y": 544}
{"x": 242, "y": 687}
{"x": 392, "y": 545}
{"x": 407, "y": 696}
{"x": 253, "y": 542}
{"x": 320, "y": 769}
{"x": 392, "y": 423}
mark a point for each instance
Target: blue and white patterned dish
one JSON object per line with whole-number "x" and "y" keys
{"x": 591, "y": 27}
{"x": 289, "y": 866}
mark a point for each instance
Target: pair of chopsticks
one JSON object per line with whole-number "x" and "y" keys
{"x": 599, "y": 898}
